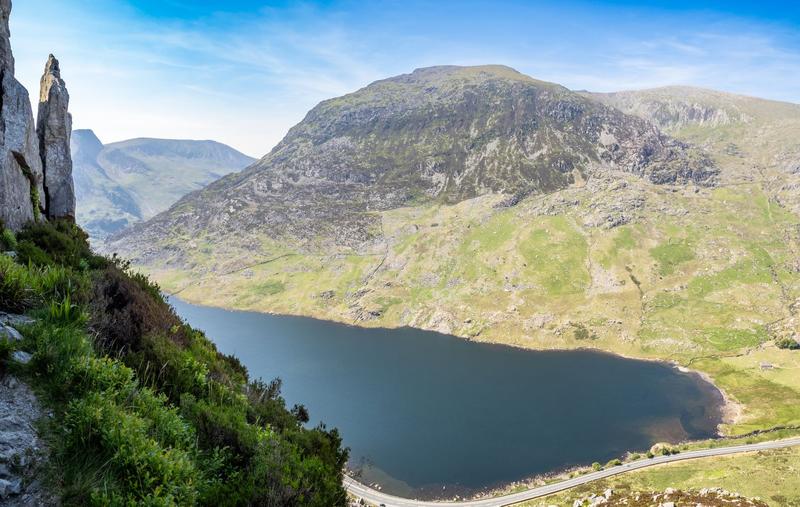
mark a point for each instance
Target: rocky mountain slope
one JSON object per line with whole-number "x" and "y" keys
{"x": 441, "y": 134}
{"x": 35, "y": 170}
{"x": 125, "y": 182}
{"x": 743, "y": 132}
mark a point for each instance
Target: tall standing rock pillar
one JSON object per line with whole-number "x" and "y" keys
{"x": 54, "y": 128}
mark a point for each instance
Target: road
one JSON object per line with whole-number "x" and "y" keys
{"x": 361, "y": 491}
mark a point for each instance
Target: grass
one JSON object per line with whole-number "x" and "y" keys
{"x": 671, "y": 255}
{"x": 556, "y": 254}
{"x": 699, "y": 288}
{"x": 769, "y": 475}
{"x": 269, "y": 288}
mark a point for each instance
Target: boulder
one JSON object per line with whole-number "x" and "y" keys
{"x": 9, "y": 333}
{"x": 54, "y": 128}
{"x": 21, "y": 356}
{"x": 11, "y": 319}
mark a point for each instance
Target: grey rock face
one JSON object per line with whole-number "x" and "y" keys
{"x": 10, "y": 319}
{"x": 21, "y": 451}
{"x": 21, "y": 176}
{"x": 19, "y": 155}
{"x": 6, "y": 57}
{"x": 21, "y": 356}
{"x": 54, "y": 128}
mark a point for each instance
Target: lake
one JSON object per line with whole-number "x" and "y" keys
{"x": 427, "y": 414}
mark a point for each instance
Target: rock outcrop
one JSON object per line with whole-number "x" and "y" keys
{"x": 21, "y": 176}
{"x": 54, "y": 127}
{"x": 23, "y": 196}
{"x": 21, "y": 450}
{"x": 6, "y": 56}
{"x": 707, "y": 497}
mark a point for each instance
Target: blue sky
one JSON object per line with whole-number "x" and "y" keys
{"x": 244, "y": 71}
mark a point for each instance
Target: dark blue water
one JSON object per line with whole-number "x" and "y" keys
{"x": 425, "y": 410}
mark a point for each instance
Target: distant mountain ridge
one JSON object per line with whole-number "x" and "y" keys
{"x": 129, "y": 181}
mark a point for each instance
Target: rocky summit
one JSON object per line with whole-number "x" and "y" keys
{"x": 35, "y": 164}
{"x": 439, "y": 134}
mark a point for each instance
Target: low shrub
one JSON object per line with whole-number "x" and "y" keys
{"x": 787, "y": 343}
{"x": 59, "y": 242}
{"x": 123, "y": 311}
{"x": 7, "y": 347}
{"x": 139, "y": 469}
{"x": 8, "y": 241}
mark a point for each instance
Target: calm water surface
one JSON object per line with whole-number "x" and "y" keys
{"x": 425, "y": 413}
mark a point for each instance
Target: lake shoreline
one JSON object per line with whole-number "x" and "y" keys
{"x": 731, "y": 410}
{"x": 722, "y": 404}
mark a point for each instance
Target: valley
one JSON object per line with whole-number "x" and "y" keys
{"x": 379, "y": 387}
{"x": 702, "y": 272}
{"x": 572, "y": 284}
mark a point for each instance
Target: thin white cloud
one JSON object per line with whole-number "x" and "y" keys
{"x": 245, "y": 79}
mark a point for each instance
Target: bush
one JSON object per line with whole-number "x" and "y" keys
{"x": 148, "y": 412}
{"x": 8, "y": 241}
{"x": 614, "y": 463}
{"x": 123, "y": 311}
{"x": 581, "y": 333}
{"x": 597, "y": 466}
{"x": 787, "y": 343}
{"x": 59, "y": 242}
{"x": 7, "y": 347}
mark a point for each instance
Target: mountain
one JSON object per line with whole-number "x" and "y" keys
{"x": 742, "y": 132}
{"x": 123, "y": 183}
{"x": 441, "y": 134}
{"x": 486, "y": 204}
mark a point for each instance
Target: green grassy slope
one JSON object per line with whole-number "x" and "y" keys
{"x": 144, "y": 409}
